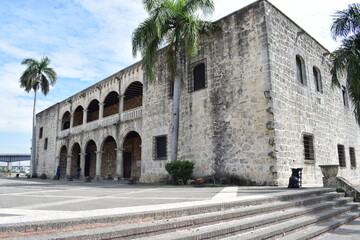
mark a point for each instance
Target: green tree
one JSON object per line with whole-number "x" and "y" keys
{"x": 346, "y": 59}
{"x": 37, "y": 76}
{"x": 176, "y": 24}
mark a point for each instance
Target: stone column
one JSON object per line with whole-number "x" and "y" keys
{"x": 9, "y": 166}
{"x": 85, "y": 116}
{"x": 82, "y": 165}
{"x": 98, "y": 165}
{"x": 71, "y": 120}
{"x": 121, "y": 105}
{"x": 101, "y": 110}
{"x": 68, "y": 167}
{"x": 119, "y": 164}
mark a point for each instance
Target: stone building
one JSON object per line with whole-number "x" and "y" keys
{"x": 256, "y": 102}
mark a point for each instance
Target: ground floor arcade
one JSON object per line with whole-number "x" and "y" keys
{"x": 110, "y": 160}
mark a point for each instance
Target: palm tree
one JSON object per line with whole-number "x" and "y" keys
{"x": 37, "y": 76}
{"x": 174, "y": 23}
{"x": 346, "y": 59}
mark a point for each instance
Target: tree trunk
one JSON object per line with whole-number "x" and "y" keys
{"x": 33, "y": 139}
{"x": 175, "y": 113}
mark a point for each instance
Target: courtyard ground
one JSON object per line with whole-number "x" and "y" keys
{"x": 32, "y": 200}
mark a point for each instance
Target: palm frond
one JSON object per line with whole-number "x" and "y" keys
{"x": 192, "y": 6}
{"x": 346, "y": 21}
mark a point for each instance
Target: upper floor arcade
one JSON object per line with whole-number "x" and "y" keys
{"x": 103, "y": 111}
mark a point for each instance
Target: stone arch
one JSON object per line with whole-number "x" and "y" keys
{"x": 93, "y": 110}
{"x": 131, "y": 146}
{"x": 108, "y": 163}
{"x": 111, "y": 104}
{"x": 133, "y": 96}
{"x": 65, "y": 121}
{"x": 63, "y": 160}
{"x": 78, "y": 116}
{"x": 90, "y": 159}
{"x": 75, "y": 158}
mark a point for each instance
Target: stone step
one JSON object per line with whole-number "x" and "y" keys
{"x": 324, "y": 227}
{"x": 252, "y": 226}
{"x": 251, "y": 217}
{"x": 279, "y": 230}
{"x": 165, "y": 212}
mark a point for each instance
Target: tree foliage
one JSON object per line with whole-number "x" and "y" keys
{"x": 171, "y": 23}
{"x": 346, "y": 59}
{"x": 37, "y": 75}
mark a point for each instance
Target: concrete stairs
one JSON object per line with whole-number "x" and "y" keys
{"x": 302, "y": 214}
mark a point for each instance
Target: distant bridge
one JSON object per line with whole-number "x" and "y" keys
{"x": 14, "y": 157}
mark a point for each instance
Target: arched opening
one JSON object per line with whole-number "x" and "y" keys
{"x": 300, "y": 70}
{"x": 90, "y": 159}
{"x": 133, "y": 96}
{"x": 108, "y": 163}
{"x": 75, "y": 159}
{"x": 63, "y": 161}
{"x": 93, "y": 111}
{"x": 111, "y": 104}
{"x": 78, "y": 116}
{"x": 317, "y": 79}
{"x": 65, "y": 121}
{"x": 132, "y": 155}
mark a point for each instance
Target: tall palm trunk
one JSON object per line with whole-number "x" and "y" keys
{"x": 33, "y": 139}
{"x": 175, "y": 112}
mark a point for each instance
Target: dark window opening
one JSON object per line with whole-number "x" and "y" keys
{"x": 46, "y": 143}
{"x": 300, "y": 70}
{"x": 133, "y": 96}
{"x": 341, "y": 154}
{"x": 309, "y": 147}
{"x": 171, "y": 88}
{"x": 352, "y": 157}
{"x": 41, "y": 132}
{"x": 317, "y": 79}
{"x": 344, "y": 95}
{"x": 199, "y": 77}
{"x": 160, "y": 147}
{"x": 65, "y": 122}
{"x": 93, "y": 111}
{"x": 78, "y": 116}
{"x": 111, "y": 104}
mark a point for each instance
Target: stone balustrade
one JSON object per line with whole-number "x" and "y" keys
{"x": 110, "y": 120}
{"x": 131, "y": 114}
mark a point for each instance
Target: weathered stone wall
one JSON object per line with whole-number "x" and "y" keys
{"x": 45, "y": 159}
{"x": 300, "y": 109}
{"x": 223, "y": 126}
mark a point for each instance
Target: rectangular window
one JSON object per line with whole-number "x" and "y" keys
{"x": 41, "y": 132}
{"x": 171, "y": 88}
{"x": 160, "y": 147}
{"x": 341, "y": 154}
{"x": 317, "y": 79}
{"x": 46, "y": 143}
{"x": 309, "y": 147}
{"x": 352, "y": 157}
{"x": 197, "y": 76}
{"x": 344, "y": 95}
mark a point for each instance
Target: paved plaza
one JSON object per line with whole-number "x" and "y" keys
{"x": 32, "y": 200}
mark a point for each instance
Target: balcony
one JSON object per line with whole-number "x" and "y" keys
{"x": 64, "y": 133}
{"x": 110, "y": 120}
{"x": 131, "y": 114}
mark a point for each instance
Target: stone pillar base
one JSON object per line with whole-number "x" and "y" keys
{"x": 330, "y": 182}
{"x": 98, "y": 178}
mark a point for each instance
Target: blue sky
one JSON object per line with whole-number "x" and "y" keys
{"x": 88, "y": 40}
